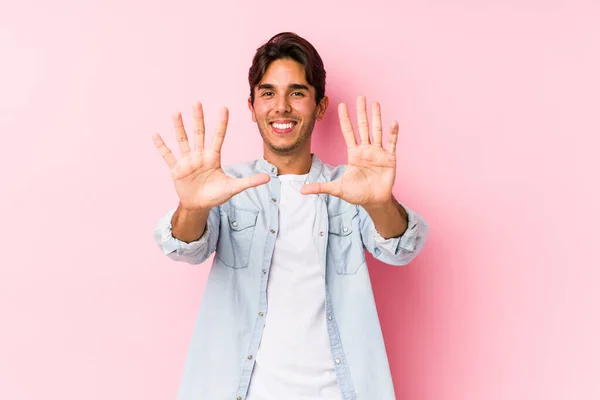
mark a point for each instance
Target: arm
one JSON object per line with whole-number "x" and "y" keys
{"x": 390, "y": 231}
{"x": 390, "y": 219}
{"x": 394, "y": 250}
{"x": 190, "y": 232}
{"x": 191, "y": 252}
{"x": 189, "y": 225}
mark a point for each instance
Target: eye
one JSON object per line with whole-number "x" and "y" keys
{"x": 300, "y": 94}
{"x": 267, "y": 93}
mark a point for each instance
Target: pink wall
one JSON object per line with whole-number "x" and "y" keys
{"x": 498, "y": 103}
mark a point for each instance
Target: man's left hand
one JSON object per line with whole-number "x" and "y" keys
{"x": 369, "y": 177}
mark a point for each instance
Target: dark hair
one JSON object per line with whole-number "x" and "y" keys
{"x": 288, "y": 45}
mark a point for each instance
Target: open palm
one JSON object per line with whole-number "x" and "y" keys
{"x": 198, "y": 177}
{"x": 369, "y": 177}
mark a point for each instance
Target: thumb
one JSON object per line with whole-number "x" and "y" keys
{"x": 333, "y": 188}
{"x": 241, "y": 184}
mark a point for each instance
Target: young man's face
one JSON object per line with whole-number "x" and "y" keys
{"x": 285, "y": 108}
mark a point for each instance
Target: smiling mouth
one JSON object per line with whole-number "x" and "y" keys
{"x": 283, "y": 128}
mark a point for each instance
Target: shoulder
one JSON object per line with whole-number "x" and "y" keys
{"x": 332, "y": 172}
{"x": 241, "y": 170}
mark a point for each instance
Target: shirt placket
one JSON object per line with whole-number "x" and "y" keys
{"x": 272, "y": 229}
{"x": 342, "y": 370}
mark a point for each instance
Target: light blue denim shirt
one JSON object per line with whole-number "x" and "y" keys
{"x": 231, "y": 317}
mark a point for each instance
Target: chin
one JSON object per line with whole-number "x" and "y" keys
{"x": 283, "y": 150}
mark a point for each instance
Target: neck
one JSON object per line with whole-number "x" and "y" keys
{"x": 296, "y": 163}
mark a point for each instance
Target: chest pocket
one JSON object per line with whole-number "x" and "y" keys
{"x": 235, "y": 236}
{"x": 344, "y": 247}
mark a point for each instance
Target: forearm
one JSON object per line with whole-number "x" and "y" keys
{"x": 188, "y": 226}
{"x": 390, "y": 220}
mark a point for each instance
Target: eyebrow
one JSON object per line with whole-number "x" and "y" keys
{"x": 296, "y": 86}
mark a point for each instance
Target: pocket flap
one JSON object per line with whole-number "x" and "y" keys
{"x": 240, "y": 219}
{"x": 341, "y": 224}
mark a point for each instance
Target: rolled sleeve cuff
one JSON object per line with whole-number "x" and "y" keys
{"x": 407, "y": 242}
{"x": 170, "y": 244}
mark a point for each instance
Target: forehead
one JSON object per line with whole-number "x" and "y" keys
{"x": 284, "y": 72}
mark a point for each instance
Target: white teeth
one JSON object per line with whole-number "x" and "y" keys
{"x": 282, "y": 126}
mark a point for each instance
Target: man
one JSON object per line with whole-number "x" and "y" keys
{"x": 288, "y": 310}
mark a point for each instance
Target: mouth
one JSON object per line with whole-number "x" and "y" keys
{"x": 283, "y": 127}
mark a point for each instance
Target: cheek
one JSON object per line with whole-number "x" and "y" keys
{"x": 260, "y": 113}
{"x": 305, "y": 110}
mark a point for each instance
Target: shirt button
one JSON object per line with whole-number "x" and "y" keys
{"x": 345, "y": 229}
{"x": 274, "y": 200}
{"x": 272, "y": 230}
{"x": 238, "y": 398}
{"x": 250, "y": 357}
{"x": 264, "y": 271}
{"x": 234, "y": 224}
{"x": 261, "y": 313}
{"x": 329, "y": 317}
{"x": 337, "y": 361}
{"x": 321, "y": 233}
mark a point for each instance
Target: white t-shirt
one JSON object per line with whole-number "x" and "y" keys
{"x": 294, "y": 358}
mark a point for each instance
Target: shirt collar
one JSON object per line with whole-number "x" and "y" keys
{"x": 314, "y": 175}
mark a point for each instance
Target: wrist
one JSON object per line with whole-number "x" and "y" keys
{"x": 383, "y": 206}
{"x": 192, "y": 211}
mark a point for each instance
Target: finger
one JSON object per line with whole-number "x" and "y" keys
{"x": 393, "y": 138}
{"x": 376, "y": 121}
{"x": 346, "y": 126}
{"x": 217, "y": 142}
{"x": 164, "y": 151}
{"x": 363, "y": 121}
{"x": 198, "y": 126}
{"x": 241, "y": 184}
{"x": 180, "y": 134}
{"x": 333, "y": 188}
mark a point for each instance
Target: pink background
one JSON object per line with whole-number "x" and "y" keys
{"x": 498, "y": 104}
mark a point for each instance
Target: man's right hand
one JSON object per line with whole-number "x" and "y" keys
{"x": 198, "y": 177}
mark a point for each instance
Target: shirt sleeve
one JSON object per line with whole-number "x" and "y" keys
{"x": 399, "y": 250}
{"x": 194, "y": 252}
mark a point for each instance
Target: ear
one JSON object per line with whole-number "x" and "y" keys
{"x": 322, "y": 107}
{"x": 251, "y": 108}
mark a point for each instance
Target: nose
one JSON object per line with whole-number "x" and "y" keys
{"x": 282, "y": 105}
